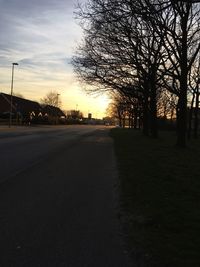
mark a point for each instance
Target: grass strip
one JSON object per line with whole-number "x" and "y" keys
{"x": 160, "y": 198}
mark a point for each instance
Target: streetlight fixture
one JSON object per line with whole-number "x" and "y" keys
{"x": 11, "y": 92}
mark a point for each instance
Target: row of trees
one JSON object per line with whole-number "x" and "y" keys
{"x": 143, "y": 51}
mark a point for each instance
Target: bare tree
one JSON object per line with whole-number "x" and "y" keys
{"x": 167, "y": 103}
{"x": 138, "y": 47}
{"x": 126, "y": 109}
{"x": 52, "y": 98}
{"x": 181, "y": 24}
{"x": 121, "y": 53}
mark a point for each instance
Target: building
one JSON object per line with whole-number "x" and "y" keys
{"x": 25, "y": 111}
{"x": 53, "y": 115}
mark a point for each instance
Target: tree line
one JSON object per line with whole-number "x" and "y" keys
{"x": 147, "y": 54}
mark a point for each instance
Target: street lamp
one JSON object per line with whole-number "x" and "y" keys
{"x": 57, "y": 99}
{"x": 57, "y": 109}
{"x": 11, "y": 93}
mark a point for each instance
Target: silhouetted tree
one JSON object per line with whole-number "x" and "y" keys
{"x": 167, "y": 103}
{"x": 52, "y": 98}
{"x": 126, "y": 109}
{"x": 121, "y": 53}
{"x": 180, "y": 22}
{"x": 74, "y": 116}
{"x": 139, "y": 48}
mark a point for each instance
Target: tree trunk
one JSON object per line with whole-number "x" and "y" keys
{"x": 124, "y": 121}
{"x": 120, "y": 118}
{"x": 196, "y": 117}
{"x": 153, "y": 110}
{"x": 135, "y": 118}
{"x": 129, "y": 120}
{"x": 190, "y": 117}
{"x": 182, "y": 115}
{"x": 145, "y": 121}
{"x": 182, "y": 112}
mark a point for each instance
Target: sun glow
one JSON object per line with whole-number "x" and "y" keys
{"x": 44, "y": 43}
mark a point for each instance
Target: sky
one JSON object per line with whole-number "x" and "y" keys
{"x": 42, "y": 36}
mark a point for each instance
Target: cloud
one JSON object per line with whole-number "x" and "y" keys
{"x": 21, "y": 7}
{"x": 41, "y": 35}
{"x": 32, "y": 26}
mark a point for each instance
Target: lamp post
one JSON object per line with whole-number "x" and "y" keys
{"x": 57, "y": 99}
{"x": 57, "y": 109}
{"x": 11, "y": 92}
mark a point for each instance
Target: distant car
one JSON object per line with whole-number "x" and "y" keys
{"x": 107, "y": 124}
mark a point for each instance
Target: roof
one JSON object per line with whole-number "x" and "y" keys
{"x": 53, "y": 111}
{"x": 19, "y": 104}
{"x": 4, "y": 103}
{"x": 25, "y": 106}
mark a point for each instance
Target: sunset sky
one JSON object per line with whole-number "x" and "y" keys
{"x": 42, "y": 35}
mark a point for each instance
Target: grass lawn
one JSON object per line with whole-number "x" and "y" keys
{"x": 160, "y": 198}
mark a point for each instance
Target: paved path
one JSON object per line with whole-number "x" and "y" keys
{"x": 61, "y": 211}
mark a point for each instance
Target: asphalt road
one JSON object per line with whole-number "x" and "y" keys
{"x": 58, "y": 205}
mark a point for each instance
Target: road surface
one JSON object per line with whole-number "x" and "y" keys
{"x": 57, "y": 200}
